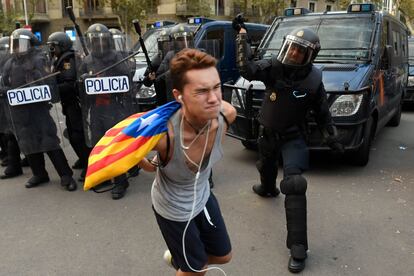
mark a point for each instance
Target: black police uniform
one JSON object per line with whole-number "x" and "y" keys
{"x": 162, "y": 82}
{"x": 290, "y": 94}
{"x": 105, "y": 110}
{"x": 15, "y": 74}
{"x": 33, "y": 126}
{"x": 69, "y": 99}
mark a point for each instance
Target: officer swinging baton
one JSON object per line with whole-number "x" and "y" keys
{"x": 141, "y": 41}
{"x": 78, "y": 30}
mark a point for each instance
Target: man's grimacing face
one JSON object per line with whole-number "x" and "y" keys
{"x": 202, "y": 93}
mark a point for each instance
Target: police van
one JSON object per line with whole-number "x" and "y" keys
{"x": 409, "y": 92}
{"x": 364, "y": 62}
{"x": 217, "y": 38}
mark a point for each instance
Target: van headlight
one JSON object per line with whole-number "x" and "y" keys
{"x": 237, "y": 94}
{"x": 410, "y": 81}
{"x": 346, "y": 105}
{"x": 146, "y": 92}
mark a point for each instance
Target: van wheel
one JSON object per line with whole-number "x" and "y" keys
{"x": 395, "y": 120}
{"x": 361, "y": 156}
{"x": 250, "y": 145}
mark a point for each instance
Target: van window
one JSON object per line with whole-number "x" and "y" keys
{"x": 411, "y": 50}
{"x": 341, "y": 38}
{"x": 403, "y": 45}
{"x": 217, "y": 35}
{"x": 256, "y": 36}
{"x": 396, "y": 42}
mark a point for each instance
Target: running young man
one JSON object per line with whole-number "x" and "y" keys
{"x": 185, "y": 157}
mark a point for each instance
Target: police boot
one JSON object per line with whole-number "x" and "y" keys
{"x": 69, "y": 183}
{"x": 12, "y": 171}
{"x": 36, "y": 180}
{"x": 297, "y": 259}
{"x": 262, "y": 191}
{"x": 119, "y": 190}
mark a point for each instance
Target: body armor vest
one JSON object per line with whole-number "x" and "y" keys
{"x": 286, "y": 102}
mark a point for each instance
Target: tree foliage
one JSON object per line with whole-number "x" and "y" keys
{"x": 127, "y": 10}
{"x": 268, "y": 8}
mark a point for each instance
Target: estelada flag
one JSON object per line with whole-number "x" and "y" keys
{"x": 126, "y": 144}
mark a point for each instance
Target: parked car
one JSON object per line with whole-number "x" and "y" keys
{"x": 364, "y": 62}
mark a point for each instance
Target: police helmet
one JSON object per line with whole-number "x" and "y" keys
{"x": 299, "y": 48}
{"x": 164, "y": 42}
{"x": 119, "y": 40}
{"x": 183, "y": 37}
{"x": 4, "y": 44}
{"x": 99, "y": 39}
{"x": 22, "y": 40}
{"x": 59, "y": 42}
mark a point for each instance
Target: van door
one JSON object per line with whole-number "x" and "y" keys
{"x": 396, "y": 70}
{"x": 382, "y": 77}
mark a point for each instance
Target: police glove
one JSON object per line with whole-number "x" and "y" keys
{"x": 238, "y": 22}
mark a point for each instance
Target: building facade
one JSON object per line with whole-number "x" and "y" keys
{"x": 47, "y": 16}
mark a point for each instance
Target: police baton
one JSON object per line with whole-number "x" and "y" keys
{"x": 41, "y": 79}
{"x": 115, "y": 64}
{"x": 141, "y": 41}
{"x": 78, "y": 30}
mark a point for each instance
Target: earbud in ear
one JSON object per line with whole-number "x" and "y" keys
{"x": 180, "y": 98}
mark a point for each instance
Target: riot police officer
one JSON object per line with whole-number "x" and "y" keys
{"x": 293, "y": 88}
{"x": 32, "y": 123}
{"x": 164, "y": 43}
{"x": 10, "y": 152}
{"x": 63, "y": 61}
{"x": 4, "y": 53}
{"x": 182, "y": 37}
{"x": 119, "y": 40}
{"x": 103, "y": 110}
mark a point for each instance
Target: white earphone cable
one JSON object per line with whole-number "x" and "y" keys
{"x": 195, "y": 192}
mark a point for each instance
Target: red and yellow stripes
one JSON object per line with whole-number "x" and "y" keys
{"x": 103, "y": 163}
{"x": 105, "y": 166}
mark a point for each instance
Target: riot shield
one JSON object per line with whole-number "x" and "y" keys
{"x": 31, "y": 92}
{"x": 106, "y": 91}
{"x": 4, "y": 122}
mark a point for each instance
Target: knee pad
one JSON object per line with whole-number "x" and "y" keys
{"x": 293, "y": 185}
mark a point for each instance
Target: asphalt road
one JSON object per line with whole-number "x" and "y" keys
{"x": 360, "y": 220}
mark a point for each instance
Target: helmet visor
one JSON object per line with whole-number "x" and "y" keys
{"x": 99, "y": 43}
{"x": 19, "y": 45}
{"x": 296, "y": 51}
{"x": 119, "y": 42}
{"x": 181, "y": 42}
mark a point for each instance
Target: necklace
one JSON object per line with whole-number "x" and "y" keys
{"x": 197, "y": 131}
{"x": 207, "y": 125}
